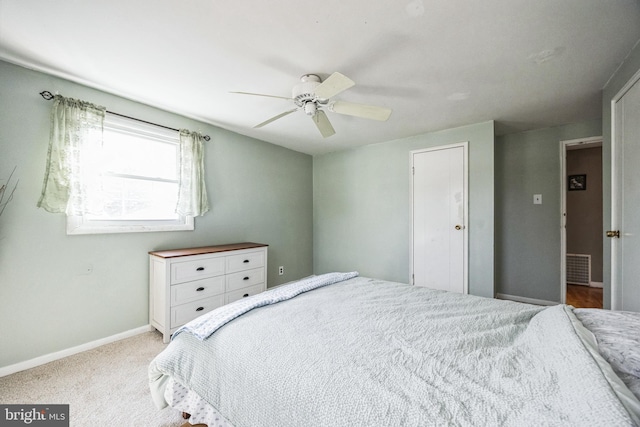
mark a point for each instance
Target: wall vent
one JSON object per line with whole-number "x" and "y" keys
{"x": 579, "y": 269}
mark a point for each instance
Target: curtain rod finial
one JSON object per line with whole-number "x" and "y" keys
{"x": 46, "y": 95}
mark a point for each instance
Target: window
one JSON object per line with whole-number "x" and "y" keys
{"x": 134, "y": 181}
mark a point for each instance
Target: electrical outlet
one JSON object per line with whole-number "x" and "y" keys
{"x": 281, "y": 270}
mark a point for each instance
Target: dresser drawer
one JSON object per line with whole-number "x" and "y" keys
{"x": 191, "y": 291}
{"x": 186, "y": 312}
{"x": 197, "y": 269}
{"x": 243, "y": 293}
{"x": 245, "y": 261}
{"x": 243, "y": 279}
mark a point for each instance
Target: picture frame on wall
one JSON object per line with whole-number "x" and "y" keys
{"x": 577, "y": 182}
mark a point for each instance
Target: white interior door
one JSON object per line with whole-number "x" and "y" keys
{"x": 439, "y": 205}
{"x": 625, "y": 218}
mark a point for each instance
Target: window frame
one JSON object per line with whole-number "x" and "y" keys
{"x": 83, "y": 224}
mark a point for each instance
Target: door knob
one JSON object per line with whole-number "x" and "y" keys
{"x": 458, "y": 227}
{"x": 613, "y": 233}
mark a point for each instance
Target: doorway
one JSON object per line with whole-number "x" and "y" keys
{"x": 582, "y": 209}
{"x": 439, "y": 217}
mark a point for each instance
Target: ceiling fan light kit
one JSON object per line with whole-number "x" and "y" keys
{"x": 310, "y": 108}
{"x": 312, "y": 95}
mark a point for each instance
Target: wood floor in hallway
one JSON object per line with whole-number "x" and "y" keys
{"x": 584, "y": 296}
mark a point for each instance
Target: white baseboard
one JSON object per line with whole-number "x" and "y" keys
{"x": 526, "y": 300}
{"x": 41, "y": 360}
{"x": 596, "y": 284}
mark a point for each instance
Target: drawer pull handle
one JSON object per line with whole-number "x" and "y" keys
{"x": 200, "y": 269}
{"x": 200, "y": 289}
{"x": 246, "y": 261}
{"x": 245, "y": 295}
{"x": 199, "y": 308}
{"x": 246, "y": 278}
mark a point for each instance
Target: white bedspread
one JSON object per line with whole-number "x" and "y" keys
{"x": 370, "y": 353}
{"x": 203, "y": 326}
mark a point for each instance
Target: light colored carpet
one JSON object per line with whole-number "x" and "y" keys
{"x": 106, "y": 386}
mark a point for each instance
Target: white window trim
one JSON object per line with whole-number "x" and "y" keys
{"x": 79, "y": 224}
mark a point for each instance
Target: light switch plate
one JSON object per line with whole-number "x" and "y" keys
{"x": 537, "y": 199}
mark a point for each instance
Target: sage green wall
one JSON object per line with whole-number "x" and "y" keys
{"x": 362, "y": 218}
{"x": 258, "y": 192}
{"x": 622, "y": 75}
{"x": 527, "y": 235}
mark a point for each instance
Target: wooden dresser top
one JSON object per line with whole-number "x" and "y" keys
{"x": 172, "y": 253}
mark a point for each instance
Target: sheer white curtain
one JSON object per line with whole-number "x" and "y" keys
{"x": 74, "y": 156}
{"x": 192, "y": 196}
{"x": 75, "y": 163}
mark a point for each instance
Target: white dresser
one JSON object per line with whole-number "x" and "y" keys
{"x": 186, "y": 283}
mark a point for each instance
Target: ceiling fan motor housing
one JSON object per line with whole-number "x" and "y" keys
{"x": 303, "y": 93}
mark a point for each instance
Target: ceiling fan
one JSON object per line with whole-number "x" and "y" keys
{"x": 312, "y": 95}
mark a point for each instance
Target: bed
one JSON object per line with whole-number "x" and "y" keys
{"x": 344, "y": 350}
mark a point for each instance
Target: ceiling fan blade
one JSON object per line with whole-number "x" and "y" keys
{"x": 360, "y": 110}
{"x": 323, "y": 124}
{"x": 260, "y": 94}
{"x": 333, "y": 85}
{"x": 273, "y": 119}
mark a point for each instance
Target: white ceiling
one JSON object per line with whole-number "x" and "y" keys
{"x": 437, "y": 64}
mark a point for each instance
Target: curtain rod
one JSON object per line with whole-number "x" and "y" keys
{"x": 49, "y": 96}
